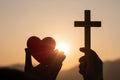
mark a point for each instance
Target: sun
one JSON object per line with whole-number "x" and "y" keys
{"x": 63, "y": 47}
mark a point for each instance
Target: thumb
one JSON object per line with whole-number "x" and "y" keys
{"x": 85, "y": 50}
{"x": 88, "y": 52}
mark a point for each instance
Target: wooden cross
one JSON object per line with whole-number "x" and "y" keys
{"x": 87, "y": 24}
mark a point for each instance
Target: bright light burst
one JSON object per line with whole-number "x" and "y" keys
{"x": 63, "y": 47}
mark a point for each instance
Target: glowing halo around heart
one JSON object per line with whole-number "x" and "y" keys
{"x": 63, "y": 47}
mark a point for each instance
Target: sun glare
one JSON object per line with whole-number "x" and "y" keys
{"x": 63, "y": 47}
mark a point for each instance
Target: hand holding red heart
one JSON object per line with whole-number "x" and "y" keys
{"x": 44, "y": 52}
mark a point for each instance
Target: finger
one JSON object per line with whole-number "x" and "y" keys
{"x": 82, "y": 59}
{"x": 55, "y": 58}
{"x": 60, "y": 57}
{"x": 90, "y": 56}
{"x": 85, "y": 50}
{"x": 82, "y": 49}
{"x": 82, "y": 68}
{"x": 88, "y": 52}
{"x": 83, "y": 64}
{"x": 26, "y": 50}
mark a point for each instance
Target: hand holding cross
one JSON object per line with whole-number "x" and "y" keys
{"x": 91, "y": 66}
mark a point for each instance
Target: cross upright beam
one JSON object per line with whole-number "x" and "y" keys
{"x": 87, "y": 24}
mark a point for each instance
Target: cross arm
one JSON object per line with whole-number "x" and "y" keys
{"x": 96, "y": 23}
{"x": 92, "y": 23}
{"x": 79, "y": 23}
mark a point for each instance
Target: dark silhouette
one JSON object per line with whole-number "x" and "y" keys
{"x": 87, "y": 23}
{"x": 47, "y": 70}
{"x": 91, "y": 66}
{"x": 13, "y": 74}
{"x": 110, "y": 71}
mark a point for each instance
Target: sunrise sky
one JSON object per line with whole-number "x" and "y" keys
{"x": 20, "y": 19}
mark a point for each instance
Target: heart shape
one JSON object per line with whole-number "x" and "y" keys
{"x": 41, "y": 49}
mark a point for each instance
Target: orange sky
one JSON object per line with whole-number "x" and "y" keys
{"x": 20, "y": 19}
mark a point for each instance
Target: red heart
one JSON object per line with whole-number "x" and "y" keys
{"x": 40, "y": 49}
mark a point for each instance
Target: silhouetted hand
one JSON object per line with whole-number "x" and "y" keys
{"x": 91, "y": 66}
{"x": 47, "y": 70}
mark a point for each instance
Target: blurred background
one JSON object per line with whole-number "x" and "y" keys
{"x": 20, "y": 19}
